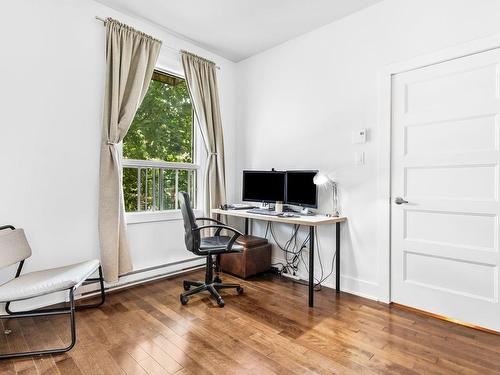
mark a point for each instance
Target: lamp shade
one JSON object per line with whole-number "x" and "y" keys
{"x": 321, "y": 179}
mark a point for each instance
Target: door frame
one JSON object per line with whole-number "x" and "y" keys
{"x": 385, "y": 145}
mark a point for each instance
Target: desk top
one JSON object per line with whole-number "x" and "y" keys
{"x": 313, "y": 220}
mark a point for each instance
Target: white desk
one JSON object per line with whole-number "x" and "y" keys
{"x": 311, "y": 222}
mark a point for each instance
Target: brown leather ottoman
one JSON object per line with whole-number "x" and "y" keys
{"x": 255, "y": 258}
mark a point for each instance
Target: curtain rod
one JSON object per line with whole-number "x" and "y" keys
{"x": 164, "y": 45}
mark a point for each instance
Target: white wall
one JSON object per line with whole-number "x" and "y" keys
{"x": 51, "y": 89}
{"x": 299, "y": 102}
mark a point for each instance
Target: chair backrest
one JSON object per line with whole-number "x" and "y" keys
{"x": 191, "y": 237}
{"x": 14, "y": 247}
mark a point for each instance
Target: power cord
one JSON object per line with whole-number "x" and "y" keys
{"x": 292, "y": 264}
{"x": 322, "y": 279}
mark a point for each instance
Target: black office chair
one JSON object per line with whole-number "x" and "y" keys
{"x": 207, "y": 247}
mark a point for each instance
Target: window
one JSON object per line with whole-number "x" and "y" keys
{"x": 158, "y": 150}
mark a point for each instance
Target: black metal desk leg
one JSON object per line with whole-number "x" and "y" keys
{"x": 311, "y": 266}
{"x": 337, "y": 261}
{"x": 246, "y": 226}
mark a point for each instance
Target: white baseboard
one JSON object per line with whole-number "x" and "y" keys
{"x": 349, "y": 284}
{"x": 359, "y": 287}
{"x": 144, "y": 275}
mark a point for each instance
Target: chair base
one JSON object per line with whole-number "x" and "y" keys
{"x": 69, "y": 310}
{"x": 213, "y": 288}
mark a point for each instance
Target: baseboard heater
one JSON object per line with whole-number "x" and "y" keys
{"x": 145, "y": 275}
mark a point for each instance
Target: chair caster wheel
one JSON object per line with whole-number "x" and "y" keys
{"x": 239, "y": 290}
{"x": 217, "y": 279}
{"x": 186, "y": 286}
{"x": 183, "y": 299}
{"x": 220, "y": 302}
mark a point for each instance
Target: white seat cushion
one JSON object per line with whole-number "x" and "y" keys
{"x": 39, "y": 283}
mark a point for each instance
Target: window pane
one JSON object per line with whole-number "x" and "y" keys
{"x": 151, "y": 196}
{"x": 148, "y": 189}
{"x": 163, "y": 125}
{"x": 130, "y": 188}
{"x": 169, "y": 190}
{"x": 187, "y": 183}
{"x": 162, "y": 130}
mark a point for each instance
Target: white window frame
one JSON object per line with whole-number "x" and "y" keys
{"x": 198, "y": 165}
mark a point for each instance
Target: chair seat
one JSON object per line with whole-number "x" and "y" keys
{"x": 218, "y": 244}
{"x": 39, "y": 283}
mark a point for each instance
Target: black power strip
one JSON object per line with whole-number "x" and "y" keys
{"x": 275, "y": 270}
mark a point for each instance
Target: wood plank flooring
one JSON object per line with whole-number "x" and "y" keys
{"x": 267, "y": 330}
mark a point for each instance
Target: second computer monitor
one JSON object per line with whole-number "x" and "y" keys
{"x": 300, "y": 189}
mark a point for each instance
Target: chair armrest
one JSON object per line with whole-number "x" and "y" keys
{"x": 236, "y": 231}
{"x": 233, "y": 239}
{"x": 210, "y": 219}
{"x": 21, "y": 263}
{"x": 217, "y": 232}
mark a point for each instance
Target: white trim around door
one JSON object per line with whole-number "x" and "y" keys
{"x": 384, "y": 145}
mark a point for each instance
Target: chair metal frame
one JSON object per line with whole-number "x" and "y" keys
{"x": 67, "y": 310}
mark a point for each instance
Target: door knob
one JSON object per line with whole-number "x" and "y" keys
{"x": 399, "y": 200}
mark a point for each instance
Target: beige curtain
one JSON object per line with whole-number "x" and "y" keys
{"x": 130, "y": 60}
{"x": 202, "y": 83}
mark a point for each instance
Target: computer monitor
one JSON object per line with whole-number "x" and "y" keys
{"x": 263, "y": 186}
{"x": 300, "y": 189}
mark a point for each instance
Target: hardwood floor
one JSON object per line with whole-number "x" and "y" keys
{"x": 267, "y": 330}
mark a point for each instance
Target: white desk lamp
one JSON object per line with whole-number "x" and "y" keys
{"x": 321, "y": 179}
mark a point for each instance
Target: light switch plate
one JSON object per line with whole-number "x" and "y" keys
{"x": 359, "y": 158}
{"x": 359, "y": 136}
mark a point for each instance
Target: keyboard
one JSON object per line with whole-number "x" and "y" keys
{"x": 241, "y": 206}
{"x": 237, "y": 206}
{"x": 263, "y": 211}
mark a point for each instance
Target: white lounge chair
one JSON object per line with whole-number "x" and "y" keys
{"x": 14, "y": 248}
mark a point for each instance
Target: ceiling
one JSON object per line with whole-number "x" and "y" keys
{"x": 237, "y": 29}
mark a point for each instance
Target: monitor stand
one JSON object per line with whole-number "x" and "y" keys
{"x": 307, "y": 212}
{"x": 278, "y": 206}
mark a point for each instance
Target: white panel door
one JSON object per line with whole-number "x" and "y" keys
{"x": 445, "y": 159}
